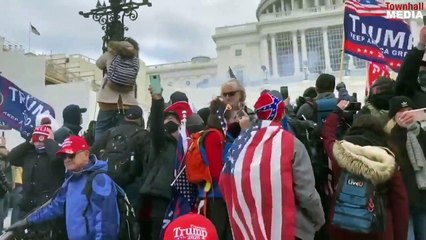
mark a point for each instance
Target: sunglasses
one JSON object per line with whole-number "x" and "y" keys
{"x": 70, "y": 156}
{"x": 230, "y": 94}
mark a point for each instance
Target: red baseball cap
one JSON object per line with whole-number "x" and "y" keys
{"x": 191, "y": 226}
{"x": 73, "y": 144}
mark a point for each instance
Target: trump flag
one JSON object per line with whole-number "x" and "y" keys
{"x": 369, "y": 35}
{"x": 19, "y": 109}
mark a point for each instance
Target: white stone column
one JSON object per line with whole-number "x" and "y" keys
{"x": 264, "y": 55}
{"x": 305, "y": 4}
{"x": 351, "y": 65}
{"x": 292, "y": 6}
{"x": 304, "y": 49}
{"x": 317, "y": 4}
{"x": 295, "y": 54}
{"x": 282, "y": 5}
{"x": 274, "y": 57}
{"x": 326, "y": 50}
{"x": 274, "y": 8}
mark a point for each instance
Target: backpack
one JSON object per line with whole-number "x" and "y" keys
{"x": 123, "y": 71}
{"x": 128, "y": 226}
{"x": 322, "y": 108}
{"x": 360, "y": 205}
{"x": 197, "y": 164}
{"x": 119, "y": 153}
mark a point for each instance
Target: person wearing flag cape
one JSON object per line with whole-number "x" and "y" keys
{"x": 266, "y": 172}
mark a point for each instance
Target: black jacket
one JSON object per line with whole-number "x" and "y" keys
{"x": 406, "y": 83}
{"x": 43, "y": 173}
{"x": 139, "y": 139}
{"x": 158, "y": 171}
{"x": 65, "y": 131}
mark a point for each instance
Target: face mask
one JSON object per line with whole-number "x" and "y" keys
{"x": 171, "y": 127}
{"x": 40, "y": 150}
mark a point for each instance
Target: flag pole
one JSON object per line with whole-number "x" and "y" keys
{"x": 29, "y": 39}
{"x": 342, "y": 55}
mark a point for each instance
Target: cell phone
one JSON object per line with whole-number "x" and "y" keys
{"x": 419, "y": 114}
{"x": 155, "y": 82}
{"x": 353, "y": 106}
{"x": 284, "y": 92}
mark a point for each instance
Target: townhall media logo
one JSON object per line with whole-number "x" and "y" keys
{"x": 404, "y": 10}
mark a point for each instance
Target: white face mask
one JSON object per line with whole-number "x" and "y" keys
{"x": 423, "y": 89}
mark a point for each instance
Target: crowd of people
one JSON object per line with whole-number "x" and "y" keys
{"x": 320, "y": 169}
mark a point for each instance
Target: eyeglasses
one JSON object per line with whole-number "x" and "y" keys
{"x": 230, "y": 94}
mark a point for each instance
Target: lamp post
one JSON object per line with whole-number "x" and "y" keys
{"x": 112, "y": 17}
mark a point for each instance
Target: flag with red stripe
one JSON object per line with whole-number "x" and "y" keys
{"x": 371, "y": 36}
{"x": 257, "y": 184}
{"x": 375, "y": 70}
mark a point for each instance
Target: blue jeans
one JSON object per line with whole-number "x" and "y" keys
{"x": 107, "y": 120}
{"x": 417, "y": 226}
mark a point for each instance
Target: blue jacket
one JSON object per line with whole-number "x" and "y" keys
{"x": 102, "y": 216}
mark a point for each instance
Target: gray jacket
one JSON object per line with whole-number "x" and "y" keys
{"x": 310, "y": 214}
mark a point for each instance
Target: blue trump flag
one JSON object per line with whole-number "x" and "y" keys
{"x": 371, "y": 36}
{"x": 19, "y": 109}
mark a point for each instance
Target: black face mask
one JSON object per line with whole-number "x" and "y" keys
{"x": 234, "y": 129}
{"x": 171, "y": 127}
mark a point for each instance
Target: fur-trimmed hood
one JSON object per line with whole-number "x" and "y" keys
{"x": 374, "y": 163}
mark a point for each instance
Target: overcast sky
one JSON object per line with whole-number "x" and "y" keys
{"x": 169, "y": 31}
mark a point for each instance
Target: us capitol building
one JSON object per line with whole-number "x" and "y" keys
{"x": 292, "y": 41}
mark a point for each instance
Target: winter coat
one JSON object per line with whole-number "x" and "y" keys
{"x": 110, "y": 94}
{"x": 5, "y": 171}
{"x": 398, "y": 141}
{"x": 70, "y": 201}
{"x": 363, "y": 154}
{"x": 406, "y": 82}
{"x": 43, "y": 173}
{"x": 140, "y": 142}
{"x": 158, "y": 172}
{"x": 66, "y": 131}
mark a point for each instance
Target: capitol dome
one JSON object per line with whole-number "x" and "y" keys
{"x": 288, "y": 6}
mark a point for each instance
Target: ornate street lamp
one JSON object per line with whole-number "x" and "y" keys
{"x": 112, "y": 17}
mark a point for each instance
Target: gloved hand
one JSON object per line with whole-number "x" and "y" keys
{"x": 21, "y": 224}
{"x": 340, "y": 85}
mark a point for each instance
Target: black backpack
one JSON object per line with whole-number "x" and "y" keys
{"x": 119, "y": 153}
{"x": 128, "y": 227}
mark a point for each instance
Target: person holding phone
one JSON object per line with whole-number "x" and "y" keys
{"x": 411, "y": 80}
{"x": 408, "y": 142}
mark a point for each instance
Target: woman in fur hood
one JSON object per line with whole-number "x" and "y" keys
{"x": 362, "y": 152}
{"x": 408, "y": 141}
{"x": 114, "y": 98}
